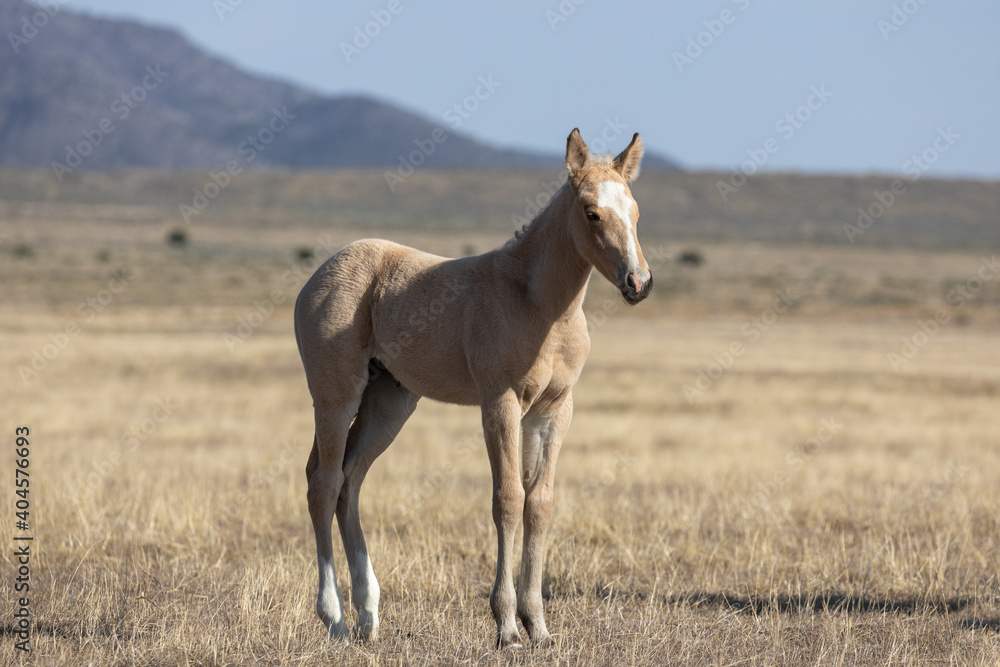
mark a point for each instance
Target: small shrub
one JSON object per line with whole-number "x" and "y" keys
{"x": 178, "y": 238}
{"x": 23, "y": 251}
{"x": 303, "y": 253}
{"x": 691, "y": 257}
{"x": 469, "y": 249}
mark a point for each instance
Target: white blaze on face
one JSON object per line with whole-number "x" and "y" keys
{"x": 611, "y": 194}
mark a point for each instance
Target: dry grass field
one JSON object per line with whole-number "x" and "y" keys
{"x": 808, "y": 504}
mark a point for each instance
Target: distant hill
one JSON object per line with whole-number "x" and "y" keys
{"x": 142, "y": 96}
{"x": 676, "y": 206}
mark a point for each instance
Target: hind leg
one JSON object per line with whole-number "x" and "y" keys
{"x": 385, "y": 407}
{"x": 325, "y": 475}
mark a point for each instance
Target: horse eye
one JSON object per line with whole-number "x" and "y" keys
{"x": 592, "y": 216}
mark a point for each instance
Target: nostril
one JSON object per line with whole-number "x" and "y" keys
{"x": 634, "y": 282}
{"x": 630, "y": 281}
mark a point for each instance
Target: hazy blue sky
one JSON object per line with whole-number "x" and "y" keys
{"x": 891, "y": 90}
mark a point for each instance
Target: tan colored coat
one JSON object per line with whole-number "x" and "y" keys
{"x": 380, "y": 325}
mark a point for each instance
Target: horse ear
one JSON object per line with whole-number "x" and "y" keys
{"x": 627, "y": 162}
{"x": 577, "y": 155}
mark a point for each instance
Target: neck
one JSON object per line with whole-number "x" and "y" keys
{"x": 556, "y": 274}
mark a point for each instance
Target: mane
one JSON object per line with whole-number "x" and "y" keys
{"x": 604, "y": 161}
{"x": 526, "y": 227}
{"x": 520, "y": 233}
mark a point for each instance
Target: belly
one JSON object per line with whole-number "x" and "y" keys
{"x": 427, "y": 356}
{"x": 438, "y": 378}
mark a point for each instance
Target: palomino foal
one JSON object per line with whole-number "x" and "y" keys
{"x": 511, "y": 337}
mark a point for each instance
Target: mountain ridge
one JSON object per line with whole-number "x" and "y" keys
{"x": 77, "y": 92}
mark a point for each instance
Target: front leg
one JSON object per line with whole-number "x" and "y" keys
{"x": 501, "y": 417}
{"x": 543, "y": 434}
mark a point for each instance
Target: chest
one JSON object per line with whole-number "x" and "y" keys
{"x": 557, "y": 366}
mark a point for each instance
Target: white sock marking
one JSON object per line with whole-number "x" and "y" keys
{"x": 364, "y": 583}
{"x": 328, "y": 603}
{"x": 365, "y": 593}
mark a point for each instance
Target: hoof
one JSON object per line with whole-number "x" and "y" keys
{"x": 511, "y": 642}
{"x": 365, "y": 632}
{"x": 339, "y": 632}
{"x": 537, "y": 632}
